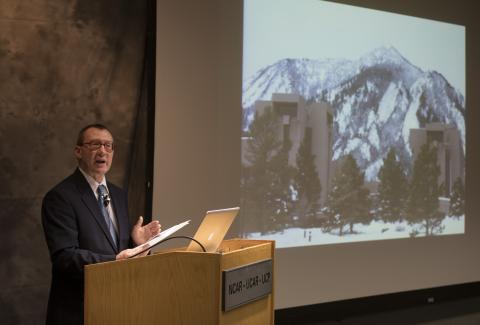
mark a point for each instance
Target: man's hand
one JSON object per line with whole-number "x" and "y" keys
{"x": 126, "y": 253}
{"x": 141, "y": 234}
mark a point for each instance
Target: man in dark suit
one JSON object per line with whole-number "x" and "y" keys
{"x": 85, "y": 220}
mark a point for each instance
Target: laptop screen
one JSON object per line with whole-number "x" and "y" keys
{"x": 213, "y": 229}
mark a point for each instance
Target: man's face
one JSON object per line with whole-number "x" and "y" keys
{"x": 95, "y": 162}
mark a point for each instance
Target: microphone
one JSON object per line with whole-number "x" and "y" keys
{"x": 106, "y": 200}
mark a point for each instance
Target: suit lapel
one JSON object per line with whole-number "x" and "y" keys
{"x": 91, "y": 203}
{"x": 119, "y": 212}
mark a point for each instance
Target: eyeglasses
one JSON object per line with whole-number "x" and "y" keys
{"x": 95, "y": 145}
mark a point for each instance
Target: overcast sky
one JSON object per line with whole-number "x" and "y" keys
{"x": 315, "y": 29}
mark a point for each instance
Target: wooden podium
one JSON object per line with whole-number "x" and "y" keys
{"x": 175, "y": 287}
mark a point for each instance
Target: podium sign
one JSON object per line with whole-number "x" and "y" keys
{"x": 246, "y": 284}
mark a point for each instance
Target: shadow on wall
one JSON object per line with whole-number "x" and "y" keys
{"x": 63, "y": 64}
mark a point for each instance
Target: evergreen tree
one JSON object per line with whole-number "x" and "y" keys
{"x": 348, "y": 201}
{"x": 307, "y": 182}
{"x": 423, "y": 206}
{"x": 392, "y": 189}
{"x": 279, "y": 197}
{"x": 266, "y": 198}
{"x": 457, "y": 199}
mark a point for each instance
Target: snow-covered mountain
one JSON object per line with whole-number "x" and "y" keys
{"x": 377, "y": 100}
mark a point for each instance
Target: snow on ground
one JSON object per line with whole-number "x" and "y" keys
{"x": 376, "y": 230}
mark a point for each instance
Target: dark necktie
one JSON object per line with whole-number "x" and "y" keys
{"x": 103, "y": 202}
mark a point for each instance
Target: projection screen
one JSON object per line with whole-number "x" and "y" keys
{"x": 340, "y": 93}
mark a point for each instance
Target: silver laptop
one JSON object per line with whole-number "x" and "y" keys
{"x": 213, "y": 229}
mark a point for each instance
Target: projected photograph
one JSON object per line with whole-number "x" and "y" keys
{"x": 353, "y": 124}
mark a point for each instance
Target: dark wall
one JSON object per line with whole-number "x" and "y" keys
{"x": 63, "y": 64}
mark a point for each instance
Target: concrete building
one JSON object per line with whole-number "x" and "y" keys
{"x": 296, "y": 119}
{"x": 450, "y": 155}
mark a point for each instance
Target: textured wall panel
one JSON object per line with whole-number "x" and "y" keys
{"x": 63, "y": 64}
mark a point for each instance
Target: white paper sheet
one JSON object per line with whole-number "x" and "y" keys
{"x": 158, "y": 238}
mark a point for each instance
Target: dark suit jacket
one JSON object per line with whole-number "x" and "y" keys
{"x": 77, "y": 235}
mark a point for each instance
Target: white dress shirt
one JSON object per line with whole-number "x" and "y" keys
{"x": 94, "y": 186}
